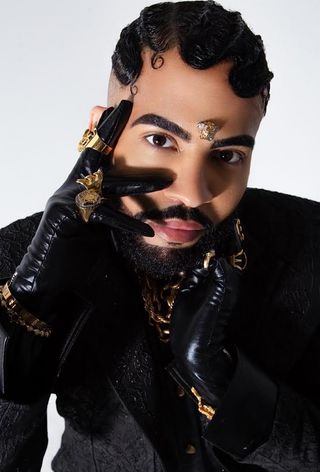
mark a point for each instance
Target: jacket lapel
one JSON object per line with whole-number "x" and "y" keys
{"x": 125, "y": 354}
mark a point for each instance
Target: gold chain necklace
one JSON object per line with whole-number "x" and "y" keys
{"x": 159, "y": 299}
{"x": 158, "y": 302}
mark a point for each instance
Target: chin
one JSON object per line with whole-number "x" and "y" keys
{"x": 167, "y": 260}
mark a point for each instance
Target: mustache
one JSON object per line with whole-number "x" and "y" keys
{"x": 177, "y": 211}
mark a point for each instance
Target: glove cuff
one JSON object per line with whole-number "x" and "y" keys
{"x": 207, "y": 389}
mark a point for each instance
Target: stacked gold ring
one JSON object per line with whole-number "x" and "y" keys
{"x": 90, "y": 198}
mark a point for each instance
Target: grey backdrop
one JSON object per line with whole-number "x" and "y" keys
{"x": 55, "y": 59}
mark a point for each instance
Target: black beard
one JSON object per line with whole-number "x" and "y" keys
{"x": 163, "y": 263}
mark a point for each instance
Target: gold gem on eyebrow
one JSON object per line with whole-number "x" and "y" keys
{"x": 208, "y": 129}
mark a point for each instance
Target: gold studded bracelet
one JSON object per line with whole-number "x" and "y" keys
{"x": 20, "y": 316}
{"x": 206, "y": 410}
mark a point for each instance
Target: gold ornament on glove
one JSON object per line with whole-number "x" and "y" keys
{"x": 91, "y": 139}
{"x": 17, "y": 314}
{"x": 88, "y": 200}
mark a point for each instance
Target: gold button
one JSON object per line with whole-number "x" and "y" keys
{"x": 190, "y": 449}
{"x": 180, "y": 391}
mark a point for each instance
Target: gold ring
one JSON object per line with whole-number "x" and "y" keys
{"x": 87, "y": 201}
{"x": 91, "y": 139}
{"x": 209, "y": 255}
{"x": 90, "y": 198}
{"x": 92, "y": 181}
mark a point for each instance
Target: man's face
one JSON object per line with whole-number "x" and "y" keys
{"x": 162, "y": 138}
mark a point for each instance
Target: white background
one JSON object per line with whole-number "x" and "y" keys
{"x": 55, "y": 60}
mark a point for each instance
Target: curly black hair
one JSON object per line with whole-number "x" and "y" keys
{"x": 205, "y": 34}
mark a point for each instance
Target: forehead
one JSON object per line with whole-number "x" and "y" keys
{"x": 186, "y": 95}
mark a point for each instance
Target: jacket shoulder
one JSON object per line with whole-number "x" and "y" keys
{"x": 281, "y": 203}
{"x": 278, "y": 220}
{"x": 14, "y": 241}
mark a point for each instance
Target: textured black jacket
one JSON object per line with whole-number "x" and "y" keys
{"x": 109, "y": 382}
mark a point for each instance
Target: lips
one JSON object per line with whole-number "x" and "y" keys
{"x": 177, "y": 230}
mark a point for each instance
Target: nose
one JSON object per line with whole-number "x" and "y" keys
{"x": 192, "y": 186}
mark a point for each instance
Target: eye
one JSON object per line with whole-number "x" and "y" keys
{"x": 159, "y": 140}
{"x": 228, "y": 156}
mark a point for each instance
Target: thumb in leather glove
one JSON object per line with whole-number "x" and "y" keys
{"x": 201, "y": 313}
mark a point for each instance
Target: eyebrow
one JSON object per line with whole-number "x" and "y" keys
{"x": 241, "y": 140}
{"x": 164, "y": 123}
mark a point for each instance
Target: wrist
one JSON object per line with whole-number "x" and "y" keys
{"x": 19, "y": 315}
{"x": 210, "y": 376}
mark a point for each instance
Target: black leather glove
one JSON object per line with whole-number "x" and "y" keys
{"x": 53, "y": 277}
{"x": 201, "y": 313}
{"x": 65, "y": 248}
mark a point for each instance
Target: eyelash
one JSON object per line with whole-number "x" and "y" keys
{"x": 241, "y": 156}
{"x": 161, "y": 136}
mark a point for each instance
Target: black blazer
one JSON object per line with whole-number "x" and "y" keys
{"x": 107, "y": 379}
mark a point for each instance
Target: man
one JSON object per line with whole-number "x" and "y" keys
{"x": 173, "y": 311}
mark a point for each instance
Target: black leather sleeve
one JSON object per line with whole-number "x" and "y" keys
{"x": 29, "y": 364}
{"x": 244, "y": 419}
{"x": 259, "y": 424}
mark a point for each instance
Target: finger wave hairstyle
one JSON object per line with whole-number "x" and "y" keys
{"x": 205, "y": 34}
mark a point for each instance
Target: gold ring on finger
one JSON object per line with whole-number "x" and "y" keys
{"x": 87, "y": 201}
{"x": 92, "y": 181}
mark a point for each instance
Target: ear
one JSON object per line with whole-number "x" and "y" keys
{"x": 95, "y": 115}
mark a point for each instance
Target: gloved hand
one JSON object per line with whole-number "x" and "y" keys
{"x": 200, "y": 316}
{"x": 64, "y": 247}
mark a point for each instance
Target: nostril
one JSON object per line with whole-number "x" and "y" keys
{"x": 190, "y": 195}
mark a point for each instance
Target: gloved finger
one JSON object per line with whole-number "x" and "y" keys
{"x": 115, "y": 219}
{"x": 110, "y": 128}
{"x": 103, "y": 116}
{"x": 88, "y": 162}
{"x": 97, "y": 114}
{"x": 121, "y": 185}
{"x": 199, "y": 276}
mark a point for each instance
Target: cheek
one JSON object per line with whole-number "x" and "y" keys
{"x": 129, "y": 152}
{"x": 131, "y": 205}
{"x": 227, "y": 184}
{"x": 227, "y": 193}
{"x": 223, "y": 204}
{"x": 133, "y": 154}
{"x": 137, "y": 203}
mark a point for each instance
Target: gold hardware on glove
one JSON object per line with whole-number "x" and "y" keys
{"x": 206, "y": 410}
{"x": 92, "y": 181}
{"x": 20, "y": 316}
{"x": 91, "y": 139}
{"x": 88, "y": 200}
{"x": 207, "y": 258}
